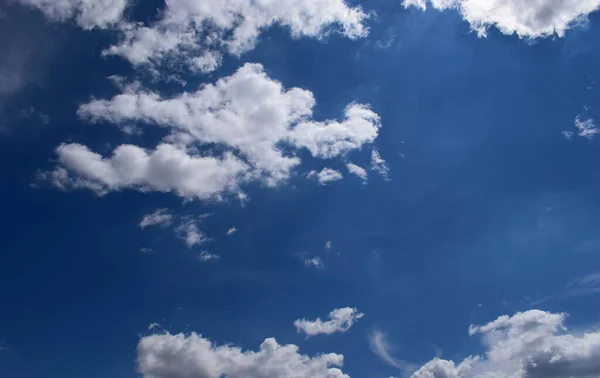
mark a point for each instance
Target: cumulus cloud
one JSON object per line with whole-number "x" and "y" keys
{"x": 89, "y": 14}
{"x": 340, "y": 320}
{"x": 160, "y": 217}
{"x": 531, "y": 344}
{"x": 181, "y": 356}
{"x": 251, "y": 118}
{"x": 525, "y": 18}
{"x": 194, "y": 31}
{"x": 326, "y": 175}
{"x": 357, "y": 170}
{"x": 379, "y": 165}
{"x": 231, "y": 231}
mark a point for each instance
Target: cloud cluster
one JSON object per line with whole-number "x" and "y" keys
{"x": 245, "y": 127}
{"x": 181, "y": 356}
{"x": 195, "y": 31}
{"x": 525, "y": 18}
{"x": 186, "y": 228}
{"x": 326, "y": 175}
{"x": 532, "y": 344}
{"x": 340, "y": 320}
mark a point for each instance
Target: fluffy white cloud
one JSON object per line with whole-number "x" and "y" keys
{"x": 231, "y": 231}
{"x": 326, "y": 175}
{"x": 88, "y": 13}
{"x": 357, "y": 170}
{"x": 190, "y": 28}
{"x": 526, "y": 18}
{"x": 168, "y": 168}
{"x": 340, "y": 320}
{"x": 250, "y": 116}
{"x": 180, "y": 356}
{"x": 379, "y": 165}
{"x": 532, "y": 344}
{"x": 160, "y": 217}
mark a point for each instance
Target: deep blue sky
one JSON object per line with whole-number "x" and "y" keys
{"x": 488, "y": 207}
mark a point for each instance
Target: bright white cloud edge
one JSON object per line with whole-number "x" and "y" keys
{"x": 525, "y": 18}
{"x": 181, "y": 356}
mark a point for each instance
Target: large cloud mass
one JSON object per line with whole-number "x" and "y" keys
{"x": 532, "y": 344}
{"x": 180, "y": 356}
{"x": 526, "y": 18}
{"x": 248, "y": 115}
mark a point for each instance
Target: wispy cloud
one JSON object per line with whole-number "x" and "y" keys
{"x": 160, "y": 217}
{"x": 579, "y": 287}
{"x": 587, "y": 128}
{"x": 382, "y": 348}
{"x": 340, "y": 320}
{"x": 314, "y": 262}
{"x": 207, "y": 256}
{"x": 231, "y": 231}
{"x": 379, "y": 165}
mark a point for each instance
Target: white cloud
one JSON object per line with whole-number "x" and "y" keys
{"x": 88, "y": 13}
{"x": 189, "y": 232}
{"x": 382, "y": 348}
{"x": 341, "y": 320}
{"x": 328, "y": 244}
{"x": 180, "y": 356}
{"x": 207, "y": 256}
{"x": 326, "y": 175}
{"x": 252, "y": 117}
{"x": 532, "y": 344}
{"x": 357, "y": 170}
{"x": 314, "y": 262}
{"x": 586, "y": 128}
{"x": 152, "y": 326}
{"x": 379, "y": 165}
{"x": 231, "y": 231}
{"x": 568, "y": 134}
{"x": 189, "y": 28}
{"x": 525, "y": 18}
{"x": 160, "y": 217}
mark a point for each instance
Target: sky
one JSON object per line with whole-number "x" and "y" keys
{"x": 300, "y": 189}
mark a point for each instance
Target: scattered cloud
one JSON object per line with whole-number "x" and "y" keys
{"x": 231, "y": 231}
{"x": 382, "y": 348}
{"x": 586, "y": 128}
{"x": 152, "y": 326}
{"x": 358, "y": 171}
{"x": 89, "y": 14}
{"x": 193, "y": 33}
{"x": 188, "y": 231}
{"x": 160, "y": 217}
{"x": 314, "y": 262}
{"x": 181, "y": 356}
{"x": 525, "y": 18}
{"x": 207, "y": 256}
{"x": 341, "y": 320}
{"x": 147, "y": 250}
{"x": 531, "y": 344}
{"x": 248, "y": 115}
{"x": 328, "y": 245}
{"x": 326, "y": 175}
{"x": 568, "y": 134}
{"x": 379, "y": 165}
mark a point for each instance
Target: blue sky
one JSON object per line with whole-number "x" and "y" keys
{"x": 411, "y": 185}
